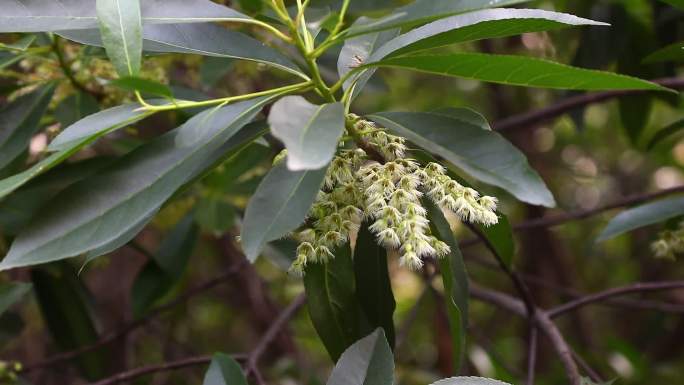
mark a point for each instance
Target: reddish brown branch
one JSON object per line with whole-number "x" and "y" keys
{"x": 614, "y": 292}
{"x": 272, "y": 332}
{"x": 543, "y": 322}
{"x": 151, "y": 369}
{"x": 534, "y": 118}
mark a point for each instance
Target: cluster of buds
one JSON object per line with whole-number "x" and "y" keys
{"x": 670, "y": 243}
{"x": 388, "y": 195}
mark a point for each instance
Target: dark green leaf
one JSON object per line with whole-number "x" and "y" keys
{"x": 12, "y": 292}
{"x": 120, "y": 24}
{"x": 224, "y": 371}
{"x": 201, "y": 39}
{"x": 368, "y": 361}
{"x": 311, "y": 133}
{"x": 469, "y": 381}
{"x": 518, "y": 71}
{"x": 39, "y": 16}
{"x": 373, "y": 286}
{"x": 166, "y": 268}
{"x": 635, "y": 112}
{"x": 144, "y": 86}
{"x": 332, "y": 302}
{"x": 478, "y": 25}
{"x": 673, "y": 52}
{"x": 20, "y": 45}
{"x": 97, "y": 125}
{"x": 17, "y": 209}
{"x": 99, "y": 210}
{"x": 675, "y": 3}
{"x": 455, "y": 279}
{"x": 425, "y": 11}
{"x": 279, "y": 205}
{"x": 644, "y": 215}
{"x": 482, "y": 153}
{"x": 500, "y": 236}
{"x": 76, "y": 107}
{"x": 7, "y": 59}
{"x": 62, "y": 300}
{"x": 19, "y": 121}
{"x": 666, "y": 133}
{"x": 356, "y": 51}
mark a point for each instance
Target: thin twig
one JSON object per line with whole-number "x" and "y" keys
{"x": 272, "y": 332}
{"x": 534, "y": 118}
{"x": 543, "y": 322}
{"x": 134, "y": 325}
{"x": 151, "y": 369}
{"x": 559, "y": 219}
{"x": 614, "y": 292}
{"x": 532, "y": 346}
{"x": 520, "y": 286}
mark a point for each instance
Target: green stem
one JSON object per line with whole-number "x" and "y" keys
{"x": 282, "y": 90}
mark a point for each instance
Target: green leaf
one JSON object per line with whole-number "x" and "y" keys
{"x": 19, "y": 121}
{"x": 455, "y": 279}
{"x": 675, "y": 3}
{"x": 480, "y": 152}
{"x": 665, "y": 133}
{"x": 201, "y": 39}
{"x": 469, "y": 381}
{"x": 121, "y": 29}
{"x": 589, "y": 381}
{"x": 332, "y": 303}
{"x": 20, "y": 45}
{"x": 478, "y": 25}
{"x": 144, "y": 86}
{"x": 165, "y": 269}
{"x": 62, "y": 299}
{"x": 279, "y": 206}
{"x": 76, "y": 107}
{"x": 425, "y": 11}
{"x": 373, "y": 286}
{"x": 356, "y": 51}
{"x": 224, "y": 371}
{"x": 368, "y": 361}
{"x": 501, "y": 238}
{"x": 17, "y": 210}
{"x": 41, "y": 16}
{"x": 311, "y": 133}
{"x": 673, "y": 52}
{"x": 98, "y": 210}
{"x": 7, "y": 59}
{"x": 643, "y": 215}
{"x": 97, "y": 125}
{"x": 517, "y": 71}
{"x": 12, "y": 292}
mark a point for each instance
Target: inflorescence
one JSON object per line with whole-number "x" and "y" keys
{"x": 670, "y": 243}
{"x": 387, "y": 195}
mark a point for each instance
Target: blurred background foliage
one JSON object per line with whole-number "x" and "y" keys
{"x": 589, "y": 158}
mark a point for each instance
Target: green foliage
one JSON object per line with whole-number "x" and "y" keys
{"x": 473, "y": 147}
{"x": 517, "y": 71}
{"x": 292, "y": 162}
{"x": 224, "y": 371}
{"x": 310, "y": 132}
{"x": 643, "y": 215}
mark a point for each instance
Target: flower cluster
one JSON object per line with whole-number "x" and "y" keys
{"x": 388, "y": 195}
{"x": 670, "y": 243}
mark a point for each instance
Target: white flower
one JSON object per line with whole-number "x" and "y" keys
{"x": 389, "y": 238}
